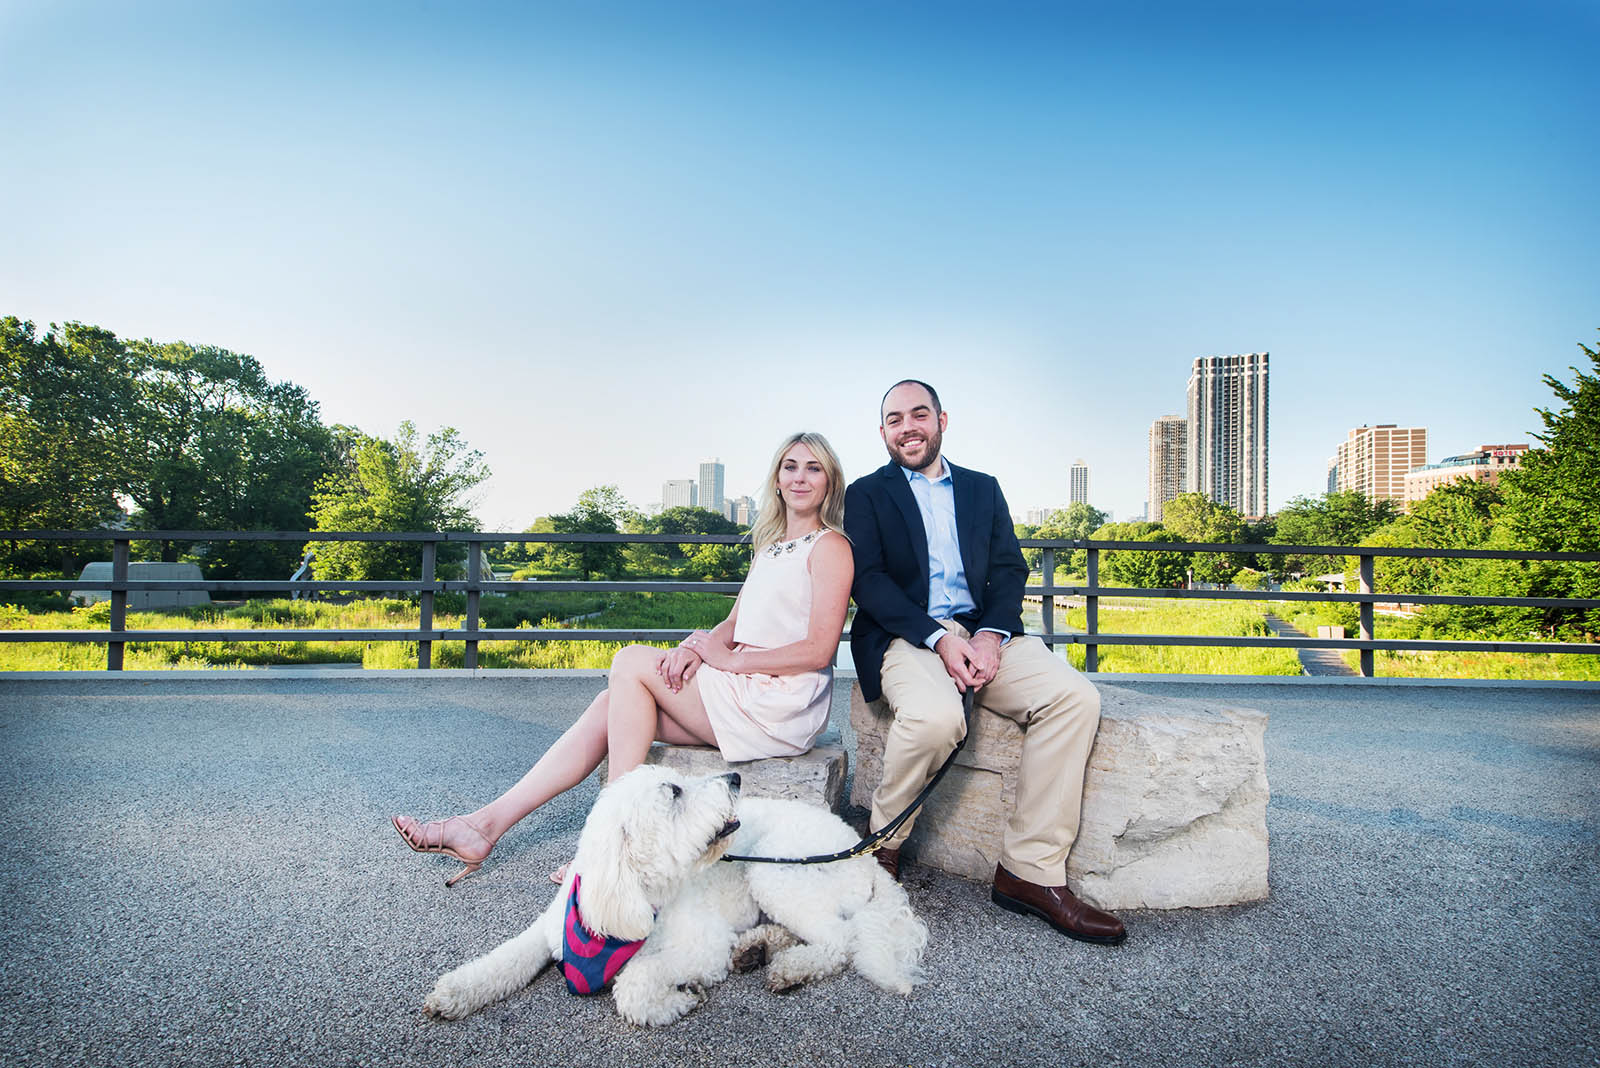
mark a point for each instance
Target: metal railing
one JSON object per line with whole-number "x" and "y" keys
{"x": 428, "y": 586}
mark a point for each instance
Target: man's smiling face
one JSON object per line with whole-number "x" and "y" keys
{"x": 912, "y": 429}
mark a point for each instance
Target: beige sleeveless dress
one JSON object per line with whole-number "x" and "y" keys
{"x": 757, "y": 716}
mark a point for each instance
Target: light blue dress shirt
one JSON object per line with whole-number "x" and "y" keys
{"x": 948, "y": 593}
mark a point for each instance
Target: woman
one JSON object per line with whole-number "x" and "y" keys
{"x": 760, "y": 684}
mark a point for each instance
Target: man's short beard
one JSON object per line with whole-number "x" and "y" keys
{"x": 933, "y": 449}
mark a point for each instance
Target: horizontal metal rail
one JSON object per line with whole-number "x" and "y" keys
{"x": 428, "y": 586}
{"x": 525, "y": 634}
{"x": 1304, "y": 595}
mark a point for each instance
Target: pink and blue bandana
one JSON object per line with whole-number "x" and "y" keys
{"x": 588, "y": 960}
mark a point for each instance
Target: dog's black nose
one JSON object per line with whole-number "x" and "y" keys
{"x": 733, "y": 778}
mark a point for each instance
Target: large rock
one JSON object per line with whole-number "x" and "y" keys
{"x": 1174, "y": 801}
{"x": 145, "y": 571}
{"x": 816, "y": 777}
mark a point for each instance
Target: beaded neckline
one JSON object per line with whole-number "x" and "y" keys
{"x": 778, "y": 548}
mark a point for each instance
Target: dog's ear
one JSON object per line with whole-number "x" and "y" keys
{"x": 612, "y": 895}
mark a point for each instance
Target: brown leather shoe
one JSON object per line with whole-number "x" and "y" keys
{"x": 889, "y": 860}
{"x": 1056, "y": 906}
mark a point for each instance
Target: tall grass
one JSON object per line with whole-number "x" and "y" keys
{"x": 645, "y": 611}
{"x": 1443, "y": 664}
{"x": 682, "y": 611}
{"x": 1162, "y": 616}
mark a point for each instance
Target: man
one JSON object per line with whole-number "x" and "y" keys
{"x": 938, "y": 592}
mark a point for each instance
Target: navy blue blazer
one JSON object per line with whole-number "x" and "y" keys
{"x": 891, "y": 556}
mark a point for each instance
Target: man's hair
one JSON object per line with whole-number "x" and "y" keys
{"x": 910, "y": 382}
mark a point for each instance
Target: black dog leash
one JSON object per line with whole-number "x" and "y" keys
{"x": 872, "y": 841}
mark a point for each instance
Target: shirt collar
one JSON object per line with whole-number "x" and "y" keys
{"x": 943, "y": 477}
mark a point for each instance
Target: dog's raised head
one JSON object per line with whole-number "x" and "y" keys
{"x": 647, "y": 832}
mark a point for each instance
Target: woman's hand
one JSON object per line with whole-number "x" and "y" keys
{"x": 712, "y": 651}
{"x": 678, "y": 666}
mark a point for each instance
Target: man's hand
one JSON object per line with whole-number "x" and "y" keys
{"x": 958, "y": 656}
{"x": 985, "y": 657}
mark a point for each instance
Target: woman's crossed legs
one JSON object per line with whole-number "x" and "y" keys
{"x": 635, "y": 709}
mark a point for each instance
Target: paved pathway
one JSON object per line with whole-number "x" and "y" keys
{"x": 201, "y": 873}
{"x": 1312, "y": 661}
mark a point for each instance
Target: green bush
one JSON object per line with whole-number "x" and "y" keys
{"x": 1247, "y": 578}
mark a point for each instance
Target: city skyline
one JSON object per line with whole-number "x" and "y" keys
{"x": 637, "y": 234}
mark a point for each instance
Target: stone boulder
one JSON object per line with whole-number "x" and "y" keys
{"x": 145, "y": 571}
{"x": 1174, "y": 801}
{"x": 816, "y": 777}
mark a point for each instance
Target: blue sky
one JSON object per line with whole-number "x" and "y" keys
{"x": 605, "y": 241}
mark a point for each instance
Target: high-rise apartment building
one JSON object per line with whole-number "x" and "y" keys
{"x": 1227, "y": 432}
{"x": 1078, "y": 483}
{"x": 744, "y": 511}
{"x": 678, "y": 493}
{"x": 1169, "y": 463}
{"x": 1376, "y": 459}
{"x": 711, "y": 484}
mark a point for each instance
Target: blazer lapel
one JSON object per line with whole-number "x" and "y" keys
{"x": 906, "y": 501}
{"x": 967, "y": 523}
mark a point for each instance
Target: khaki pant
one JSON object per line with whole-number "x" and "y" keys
{"x": 1058, "y": 710}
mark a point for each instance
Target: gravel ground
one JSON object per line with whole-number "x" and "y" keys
{"x": 202, "y": 872}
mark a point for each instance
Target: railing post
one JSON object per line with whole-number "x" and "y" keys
{"x": 1047, "y": 603}
{"x": 1091, "y": 605}
{"x": 474, "y": 574}
{"x": 430, "y": 553}
{"x": 1364, "y": 568}
{"x": 119, "y": 602}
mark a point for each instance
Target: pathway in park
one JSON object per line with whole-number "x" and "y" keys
{"x": 1312, "y": 661}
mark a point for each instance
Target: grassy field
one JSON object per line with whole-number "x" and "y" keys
{"x": 699, "y": 610}
{"x": 1441, "y": 665}
{"x": 546, "y": 610}
{"x": 1163, "y": 616}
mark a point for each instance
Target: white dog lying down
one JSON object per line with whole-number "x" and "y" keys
{"x": 646, "y": 868}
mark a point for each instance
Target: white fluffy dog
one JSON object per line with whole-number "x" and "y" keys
{"x": 647, "y": 869}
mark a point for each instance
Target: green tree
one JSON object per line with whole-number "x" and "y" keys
{"x": 399, "y": 485}
{"x": 1248, "y": 578}
{"x": 1343, "y": 517}
{"x": 1074, "y": 523}
{"x": 544, "y": 555}
{"x": 219, "y": 446}
{"x": 65, "y": 403}
{"x": 665, "y": 558}
{"x": 719, "y": 563}
{"x": 1459, "y": 515}
{"x": 1195, "y": 517}
{"x": 599, "y": 510}
{"x": 1141, "y": 569}
{"x": 1552, "y": 504}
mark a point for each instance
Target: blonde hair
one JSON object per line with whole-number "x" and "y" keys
{"x": 771, "y": 518}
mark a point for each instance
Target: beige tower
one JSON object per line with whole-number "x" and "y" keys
{"x": 1168, "y": 463}
{"x": 1376, "y": 459}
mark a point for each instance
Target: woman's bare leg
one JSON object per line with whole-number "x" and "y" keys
{"x": 644, "y": 709}
{"x": 635, "y": 709}
{"x": 564, "y": 765}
